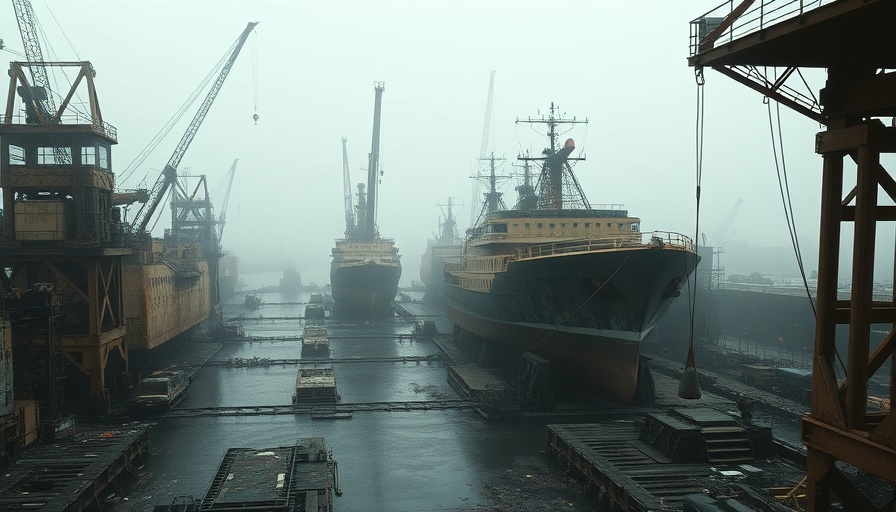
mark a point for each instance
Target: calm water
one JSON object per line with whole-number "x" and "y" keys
{"x": 419, "y": 460}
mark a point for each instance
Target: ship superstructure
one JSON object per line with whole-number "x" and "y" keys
{"x": 365, "y": 269}
{"x": 445, "y": 247}
{"x": 580, "y": 285}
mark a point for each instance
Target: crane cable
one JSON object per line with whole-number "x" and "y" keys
{"x": 163, "y": 132}
{"x": 255, "y": 75}
{"x": 689, "y": 386}
{"x": 784, "y": 187}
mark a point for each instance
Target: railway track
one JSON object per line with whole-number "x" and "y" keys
{"x": 307, "y": 410}
{"x": 299, "y": 337}
{"x": 255, "y": 362}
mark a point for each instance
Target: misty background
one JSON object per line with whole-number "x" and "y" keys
{"x": 310, "y": 67}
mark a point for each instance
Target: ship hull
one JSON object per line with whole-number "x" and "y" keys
{"x": 364, "y": 290}
{"x": 432, "y": 269}
{"x": 587, "y": 313}
{"x": 162, "y": 304}
{"x": 228, "y": 275}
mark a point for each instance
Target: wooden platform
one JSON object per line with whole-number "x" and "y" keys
{"x": 473, "y": 381}
{"x": 69, "y": 475}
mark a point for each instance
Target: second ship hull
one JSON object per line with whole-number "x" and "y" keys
{"x": 364, "y": 290}
{"x": 432, "y": 269}
{"x": 586, "y": 313}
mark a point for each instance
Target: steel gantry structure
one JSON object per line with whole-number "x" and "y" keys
{"x": 764, "y": 45}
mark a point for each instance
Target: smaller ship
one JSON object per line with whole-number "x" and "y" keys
{"x": 161, "y": 391}
{"x": 365, "y": 269}
{"x": 228, "y": 275}
{"x": 291, "y": 282}
{"x": 446, "y": 247}
{"x": 253, "y": 301}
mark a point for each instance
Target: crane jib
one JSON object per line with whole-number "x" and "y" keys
{"x": 167, "y": 177}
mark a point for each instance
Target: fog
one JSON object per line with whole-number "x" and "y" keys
{"x": 622, "y": 65}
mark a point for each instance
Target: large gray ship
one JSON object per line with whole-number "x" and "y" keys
{"x": 580, "y": 286}
{"x": 365, "y": 269}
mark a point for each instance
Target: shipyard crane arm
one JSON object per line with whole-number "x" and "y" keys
{"x": 487, "y": 124}
{"x": 347, "y": 185}
{"x": 28, "y": 28}
{"x": 169, "y": 173}
{"x": 223, "y": 217}
{"x": 723, "y": 229}
{"x": 483, "y": 149}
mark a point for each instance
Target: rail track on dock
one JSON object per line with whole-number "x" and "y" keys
{"x": 309, "y": 409}
{"x": 299, "y": 337}
{"x": 256, "y": 362}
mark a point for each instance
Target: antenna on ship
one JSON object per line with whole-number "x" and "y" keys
{"x": 492, "y": 199}
{"x": 556, "y": 163}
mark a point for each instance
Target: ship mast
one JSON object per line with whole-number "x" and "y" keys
{"x": 372, "y": 168}
{"x": 493, "y": 200}
{"x": 448, "y": 229}
{"x": 556, "y": 162}
{"x": 347, "y": 188}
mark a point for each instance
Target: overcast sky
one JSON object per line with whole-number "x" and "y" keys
{"x": 620, "y": 64}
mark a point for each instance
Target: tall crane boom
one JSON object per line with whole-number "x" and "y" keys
{"x": 222, "y": 218}
{"x": 169, "y": 173}
{"x": 373, "y": 167}
{"x": 347, "y": 184}
{"x": 486, "y": 125}
{"x": 28, "y": 28}
{"x": 483, "y": 149}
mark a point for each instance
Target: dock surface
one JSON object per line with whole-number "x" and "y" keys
{"x": 70, "y": 474}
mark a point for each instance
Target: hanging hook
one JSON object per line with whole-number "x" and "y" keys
{"x": 698, "y": 75}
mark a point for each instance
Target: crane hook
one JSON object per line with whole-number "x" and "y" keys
{"x": 255, "y": 117}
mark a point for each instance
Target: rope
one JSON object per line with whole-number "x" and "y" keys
{"x": 692, "y": 292}
{"x": 784, "y": 189}
{"x": 255, "y": 75}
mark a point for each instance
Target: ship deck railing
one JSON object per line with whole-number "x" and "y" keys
{"x": 757, "y": 17}
{"x": 653, "y": 239}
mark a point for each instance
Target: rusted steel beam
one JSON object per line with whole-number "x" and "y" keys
{"x": 825, "y": 400}
{"x": 847, "y": 139}
{"x": 709, "y": 41}
{"x": 868, "y": 96}
{"x": 773, "y": 94}
{"x": 850, "y": 446}
{"x": 861, "y": 301}
{"x": 880, "y": 312}
{"x": 884, "y": 213}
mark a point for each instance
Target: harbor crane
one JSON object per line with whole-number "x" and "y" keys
{"x": 222, "y": 218}
{"x": 347, "y": 184}
{"x": 169, "y": 173}
{"x": 720, "y": 233}
{"x": 39, "y": 93}
{"x": 373, "y": 164}
{"x": 483, "y": 148}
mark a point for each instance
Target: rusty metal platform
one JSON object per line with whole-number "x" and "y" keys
{"x": 287, "y": 479}
{"x": 636, "y": 477}
{"x": 69, "y": 475}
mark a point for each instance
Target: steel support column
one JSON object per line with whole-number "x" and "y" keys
{"x": 840, "y": 427}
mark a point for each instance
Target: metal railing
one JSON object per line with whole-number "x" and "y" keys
{"x": 759, "y": 16}
{"x": 74, "y": 118}
{"x": 657, "y": 239}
